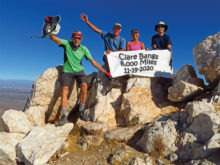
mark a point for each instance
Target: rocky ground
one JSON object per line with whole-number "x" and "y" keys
{"x": 101, "y": 154}
{"x": 118, "y": 153}
{"x": 147, "y": 121}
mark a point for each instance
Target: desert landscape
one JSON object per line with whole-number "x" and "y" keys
{"x": 13, "y": 95}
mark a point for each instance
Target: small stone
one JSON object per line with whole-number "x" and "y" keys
{"x": 173, "y": 157}
{"x": 117, "y": 157}
{"x": 159, "y": 162}
{"x": 137, "y": 161}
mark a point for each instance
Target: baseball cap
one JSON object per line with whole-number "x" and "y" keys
{"x": 77, "y": 34}
{"x": 117, "y": 24}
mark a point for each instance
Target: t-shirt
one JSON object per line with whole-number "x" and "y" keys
{"x": 113, "y": 43}
{"x": 73, "y": 57}
{"x": 161, "y": 41}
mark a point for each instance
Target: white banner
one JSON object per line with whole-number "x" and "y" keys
{"x": 152, "y": 63}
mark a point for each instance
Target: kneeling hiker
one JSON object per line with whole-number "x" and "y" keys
{"x": 72, "y": 68}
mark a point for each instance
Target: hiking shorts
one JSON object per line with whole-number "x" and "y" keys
{"x": 66, "y": 78}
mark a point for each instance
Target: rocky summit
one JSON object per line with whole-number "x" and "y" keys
{"x": 146, "y": 121}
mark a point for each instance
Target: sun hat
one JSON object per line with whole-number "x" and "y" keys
{"x": 77, "y": 34}
{"x": 117, "y": 24}
{"x": 161, "y": 23}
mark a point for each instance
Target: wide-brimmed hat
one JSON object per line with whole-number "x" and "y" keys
{"x": 161, "y": 23}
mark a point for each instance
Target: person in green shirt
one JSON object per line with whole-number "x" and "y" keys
{"x": 74, "y": 51}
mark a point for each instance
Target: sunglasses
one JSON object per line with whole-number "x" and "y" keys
{"x": 160, "y": 27}
{"x": 78, "y": 38}
{"x": 117, "y": 27}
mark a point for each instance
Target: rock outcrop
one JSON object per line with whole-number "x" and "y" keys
{"x": 143, "y": 112}
{"x": 182, "y": 91}
{"x": 41, "y": 143}
{"x": 16, "y": 122}
{"x": 46, "y": 94}
{"x": 185, "y": 85}
{"x": 8, "y": 142}
{"x": 159, "y": 137}
{"x": 139, "y": 100}
{"x": 207, "y": 58}
{"x": 142, "y": 100}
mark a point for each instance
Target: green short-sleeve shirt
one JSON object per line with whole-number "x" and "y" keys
{"x": 73, "y": 60}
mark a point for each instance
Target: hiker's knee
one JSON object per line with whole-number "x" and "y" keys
{"x": 65, "y": 91}
{"x": 84, "y": 87}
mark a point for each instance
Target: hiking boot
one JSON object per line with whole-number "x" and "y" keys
{"x": 114, "y": 83}
{"x": 63, "y": 121}
{"x": 84, "y": 116}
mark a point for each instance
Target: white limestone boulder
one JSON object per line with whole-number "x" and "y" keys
{"x": 203, "y": 121}
{"x": 8, "y": 142}
{"x": 159, "y": 137}
{"x": 103, "y": 101}
{"x": 16, "y": 122}
{"x": 41, "y": 143}
{"x": 182, "y": 91}
{"x": 187, "y": 74}
{"x": 207, "y": 57}
{"x": 143, "y": 100}
{"x": 46, "y": 94}
{"x": 36, "y": 114}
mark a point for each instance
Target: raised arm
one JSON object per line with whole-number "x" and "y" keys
{"x": 55, "y": 39}
{"x": 84, "y": 18}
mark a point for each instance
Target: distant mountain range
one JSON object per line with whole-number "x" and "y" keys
{"x": 16, "y": 83}
{"x": 15, "y": 86}
{"x": 14, "y": 93}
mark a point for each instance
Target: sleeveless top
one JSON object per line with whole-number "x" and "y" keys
{"x": 134, "y": 47}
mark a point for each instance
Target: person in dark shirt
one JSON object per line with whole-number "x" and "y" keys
{"x": 161, "y": 40}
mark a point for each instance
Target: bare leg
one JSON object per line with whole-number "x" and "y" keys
{"x": 83, "y": 93}
{"x": 64, "y": 100}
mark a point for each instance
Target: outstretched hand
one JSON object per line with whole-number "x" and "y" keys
{"x": 84, "y": 17}
{"x": 108, "y": 74}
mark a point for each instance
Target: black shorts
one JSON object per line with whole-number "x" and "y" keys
{"x": 66, "y": 78}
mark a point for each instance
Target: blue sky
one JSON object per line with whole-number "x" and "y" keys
{"x": 21, "y": 57}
